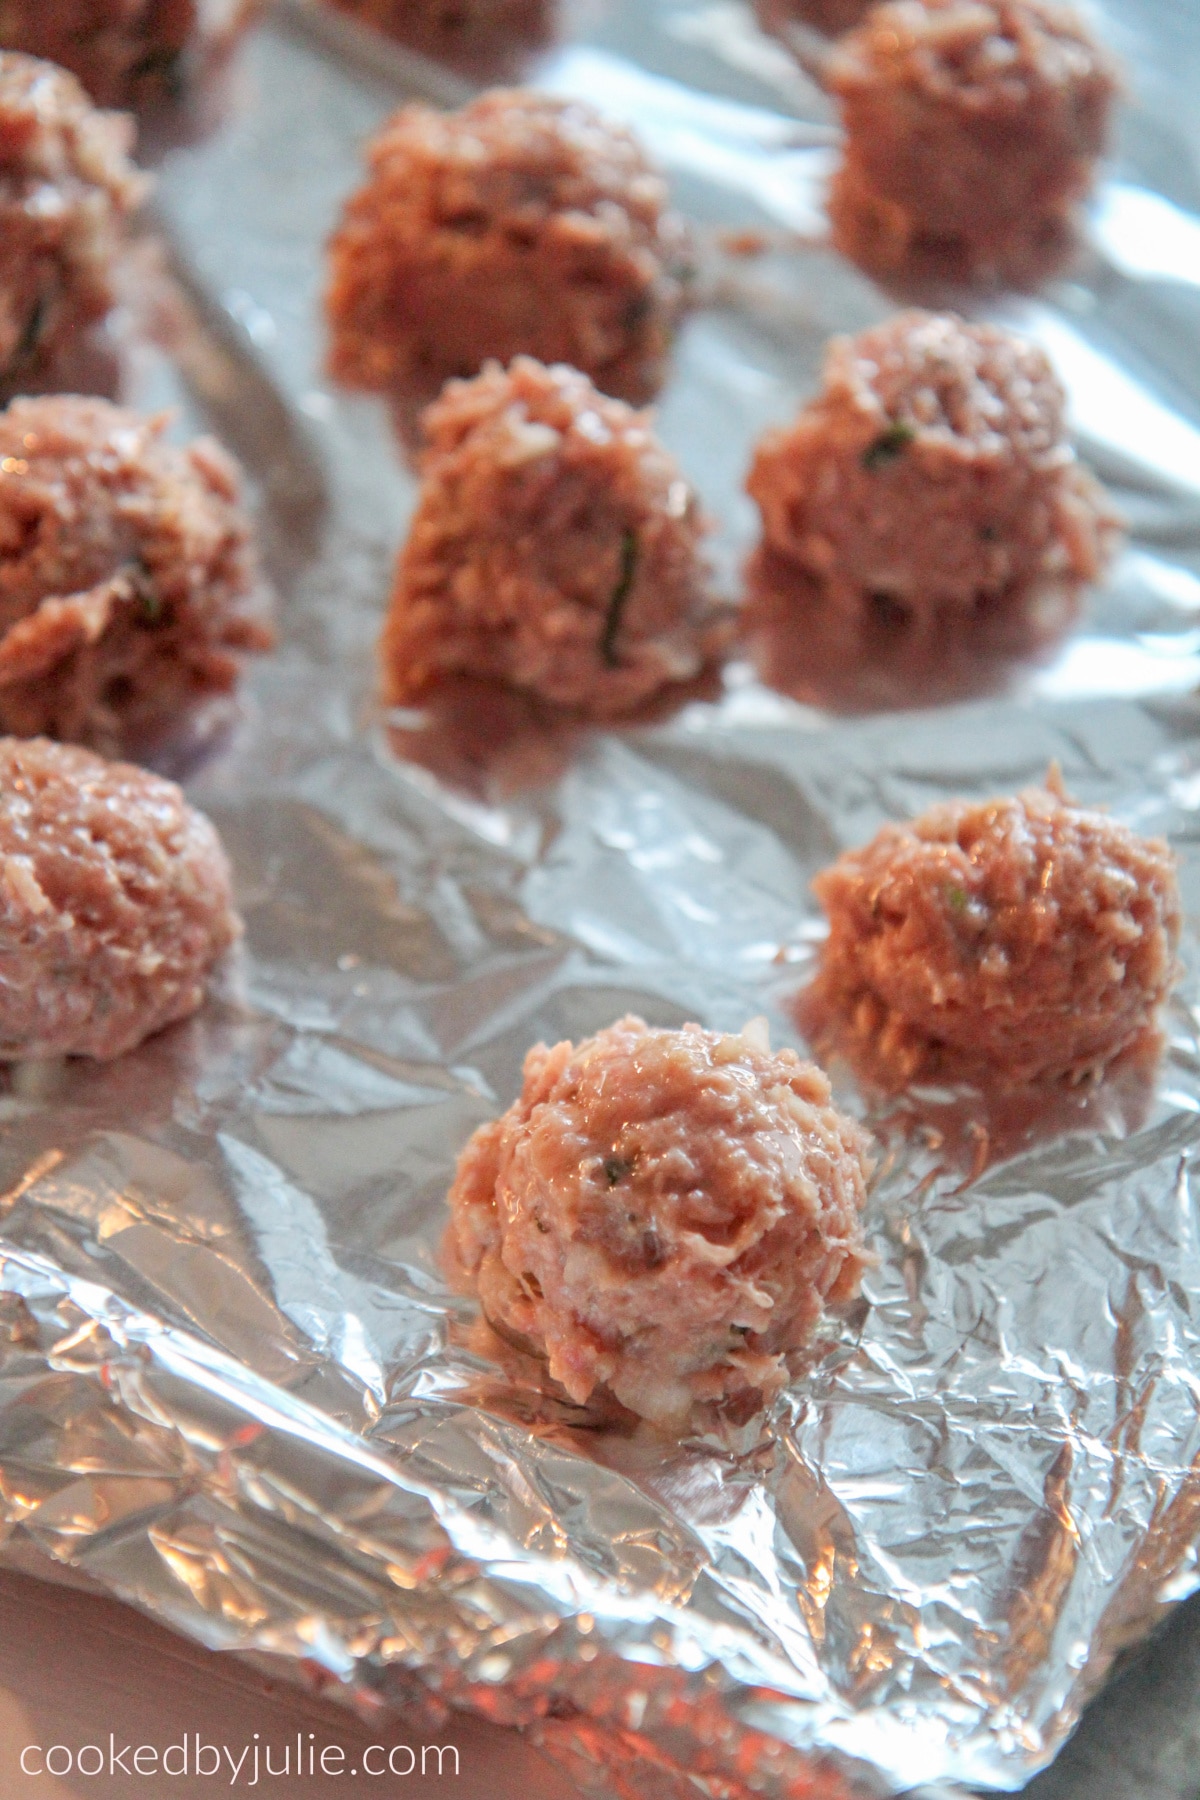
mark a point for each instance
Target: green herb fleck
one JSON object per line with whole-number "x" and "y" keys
{"x": 615, "y": 1169}
{"x": 888, "y": 445}
{"x": 31, "y": 336}
{"x": 616, "y": 606}
{"x": 957, "y": 898}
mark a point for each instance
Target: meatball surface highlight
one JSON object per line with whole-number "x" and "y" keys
{"x": 555, "y": 547}
{"x": 973, "y": 128}
{"x": 126, "y": 52}
{"x": 663, "y": 1213}
{"x": 930, "y": 489}
{"x": 115, "y": 903}
{"x": 522, "y": 224}
{"x": 67, "y": 187}
{"x": 1007, "y": 943}
{"x": 126, "y": 571}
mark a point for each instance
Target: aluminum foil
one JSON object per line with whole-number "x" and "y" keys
{"x": 234, "y": 1388}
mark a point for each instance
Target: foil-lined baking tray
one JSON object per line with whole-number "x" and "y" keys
{"x": 234, "y": 1386}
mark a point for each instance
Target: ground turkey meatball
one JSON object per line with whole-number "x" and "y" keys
{"x": 127, "y": 574}
{"x": 555, "y": 547}
{"x": 461, "y": 30}
{"x": 929, "y": 490}
{"x": 972, "y": 130}
{"x": 1007, "y": 943}
{"x": 829, "y": 16}
{"x": 115, "y": 903}
{"x": 663, "y": 1213}
{"x": 126, "y": 52}
{"x": 66, "y": 188}
{"x": 521, "y": 224}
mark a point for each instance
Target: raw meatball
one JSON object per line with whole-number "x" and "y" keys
{"x": 830, "y": 16}
{"x": 115, "y": 903}
{"x": 663, "y": 1213}
{"x": 972, "y": 130}
{"x": 929, "y": 489}
{"x": 126, "y": 569}
{"x": 1007, "y": 943}
{"x": 555, "y": 547}
{"x": 66, "y": 188}
{"x": 521, "y": 224}
{"x": 127, "y": 52}
{"x": 461, "y": 30}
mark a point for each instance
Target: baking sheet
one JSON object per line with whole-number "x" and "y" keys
{"x": 233, "y": 1386}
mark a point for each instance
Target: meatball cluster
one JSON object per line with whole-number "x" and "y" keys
{"x": 128, "y": 578}
{"x": 555, "y": 547}
{"x": 663, "y": 1214}
{"x": 67, "y": 187}
{"x": 929, "y": 490}
{"x": 1015, "y": 942}
{"x": 972, "y": 131}
{"x": 523, "y": 224}
{"x": 126, "y": 52}
{"x": 115, "y": 903}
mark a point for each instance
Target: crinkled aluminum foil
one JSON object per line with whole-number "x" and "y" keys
{"x": 234, "y": 1388}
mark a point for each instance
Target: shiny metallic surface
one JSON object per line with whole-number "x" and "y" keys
{"x": 234, "y": 1386}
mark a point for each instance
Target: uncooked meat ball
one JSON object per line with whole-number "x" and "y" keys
{"x": 461, "y": 30}
{"x": 929, "y": 488}
{"x": 66, "y": 188}
{"x": 830, "y": 16}
{"x": 663, "y": 1214}
{"x": 555, "y": 547}
{"x": 972, "y": 131}
{"x": 128, "y": 580}
{"x": 115, "y": 903}
{"x": 521, "y": 224}
{"x": 127, "y": 52}
{"x": 1014, "y": 942}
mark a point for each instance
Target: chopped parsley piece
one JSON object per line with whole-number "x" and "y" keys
{"x": 888, "y": 445}
{"x": 958, "y": 899}
{"x": 616, "y": 606}
{"x": 615, "y": 1169}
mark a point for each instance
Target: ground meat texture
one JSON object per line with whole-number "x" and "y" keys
{"x": 830, "y": 16}
{"x": 929, "y": 488}
{"x": 521, "y": 224}
{"x": 458, "y": 29}
{"x": 115, "y": 903}
{"x": 126, "y": 52}
{"x": 663, "y": 1213}
{"x": 972, "y": 130}
{"x": 128, "y": 579}
{"x": 555, "y": 547}
{"x": 1011, "y": 943}
{"x": 66, "y": 188}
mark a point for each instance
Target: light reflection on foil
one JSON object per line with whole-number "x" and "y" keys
{"x": 234, "y": 1387}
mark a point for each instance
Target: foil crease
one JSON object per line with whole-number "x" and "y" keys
{"x": 234, "y": 1386}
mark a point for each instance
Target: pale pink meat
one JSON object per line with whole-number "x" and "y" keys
{"x": 1014, "y": 942}
{"x": 663, "y": 1214}
{"x": 128, "y": 578}
{"x": 929, "y": 489}
{"x": 555, "y": 547}
{"x": 115, "y": 903}
{"x": 127, "y": 52}
{"x": 67, "y": 187}
{"x": 973, "y": 128}
{"x": 522, "y": 225}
